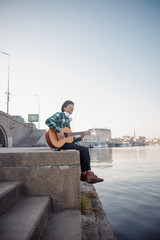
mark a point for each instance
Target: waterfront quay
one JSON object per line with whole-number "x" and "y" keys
{"x": 101, "y": 137}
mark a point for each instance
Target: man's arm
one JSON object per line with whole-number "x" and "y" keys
{"x": 79, "y": 138}
{"x": 53, "y": 121}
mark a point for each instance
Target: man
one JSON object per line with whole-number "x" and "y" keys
{"x": 60, "y": 120}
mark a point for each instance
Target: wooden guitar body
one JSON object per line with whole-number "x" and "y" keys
{"x": 54, "y": 142}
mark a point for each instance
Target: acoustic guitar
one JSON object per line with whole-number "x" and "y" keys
{"x": 54, "y": 142}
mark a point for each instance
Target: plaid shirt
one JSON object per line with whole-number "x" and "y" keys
{"x": 58, "y": 121}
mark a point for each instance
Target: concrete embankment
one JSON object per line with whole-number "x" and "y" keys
{"x": 95, "y": 224}
{"x": 44, "y": 186}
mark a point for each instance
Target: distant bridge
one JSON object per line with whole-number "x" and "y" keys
{"x": 14, "y": 133}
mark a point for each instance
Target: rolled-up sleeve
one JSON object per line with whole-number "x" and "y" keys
{"x": 78, "y": 139}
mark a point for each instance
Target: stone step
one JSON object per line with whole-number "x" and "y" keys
{"x": 26, "y": 220}
{"x": 63, "y": 225}
{"x": 10, "y": 193}
{"x": 31, "y": 139}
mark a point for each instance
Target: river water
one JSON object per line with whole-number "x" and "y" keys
{"x": 130, "y": 193}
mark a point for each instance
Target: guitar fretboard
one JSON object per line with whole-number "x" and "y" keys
{"x": 75, "y": 133}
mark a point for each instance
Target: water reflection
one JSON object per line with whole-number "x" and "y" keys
{"x": 130, "y": 193}
{"x": 101, "y": 157}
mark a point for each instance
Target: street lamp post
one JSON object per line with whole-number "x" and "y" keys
{"x": 8, "y": 93}
{"x": 38, "y": 110}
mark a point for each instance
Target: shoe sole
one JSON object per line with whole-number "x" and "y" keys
{"x": 91, "y": 180}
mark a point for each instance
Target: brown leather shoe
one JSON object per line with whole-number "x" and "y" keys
{"x": 92, "y": 178}
{"x": 83, "y": 177}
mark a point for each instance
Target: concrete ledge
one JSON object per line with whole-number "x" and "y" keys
{"x": 45, "y": 172}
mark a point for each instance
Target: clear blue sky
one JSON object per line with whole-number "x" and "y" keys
{"x": 103, "y": 55}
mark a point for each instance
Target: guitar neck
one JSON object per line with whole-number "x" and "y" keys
{"x": 74, "y": 134}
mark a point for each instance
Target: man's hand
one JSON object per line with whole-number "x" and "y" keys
{"x": 60, "y": 135}
{"x": 82, "y": 135}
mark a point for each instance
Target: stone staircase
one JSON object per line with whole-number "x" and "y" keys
{"x": 34, "y": 139}
{"x": 32, "y": 217}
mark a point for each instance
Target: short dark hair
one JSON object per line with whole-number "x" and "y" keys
{"x": 65, "y": 104}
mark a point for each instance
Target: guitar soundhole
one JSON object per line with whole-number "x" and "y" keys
{"x": 65, "y": 134}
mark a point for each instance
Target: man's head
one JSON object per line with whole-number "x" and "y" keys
{"x": 67, "y": 106}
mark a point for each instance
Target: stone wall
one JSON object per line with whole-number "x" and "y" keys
{"x": 12, "y": 130}
{"x": 45, "y": 172}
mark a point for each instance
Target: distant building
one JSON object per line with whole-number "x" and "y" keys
{"x": 141, "y": 140}
{"x": 98, "y": 135}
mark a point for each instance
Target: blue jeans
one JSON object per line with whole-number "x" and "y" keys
{"x": 84, "y": 155}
